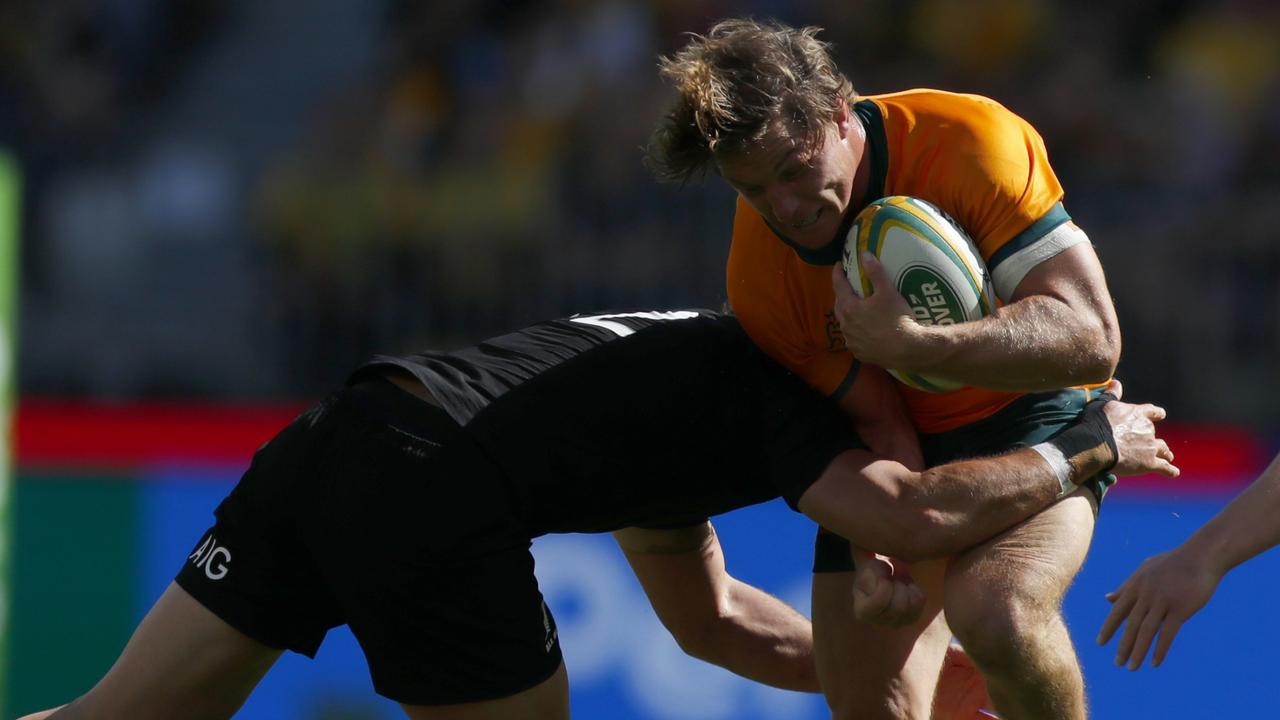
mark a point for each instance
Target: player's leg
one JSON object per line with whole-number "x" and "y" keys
{"x": 867, "y": 671}
{"x": 182, "y": 661}
{"x": 1004, "y": 603}
{"x": 548, "y": 700}
{"x": 962, "y": 691}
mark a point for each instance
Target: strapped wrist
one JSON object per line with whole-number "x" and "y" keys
{"x": 1086, "y": 448}
{"x": 1061, "y": 468}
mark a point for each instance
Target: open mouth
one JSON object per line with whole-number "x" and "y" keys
{"x": 806, "y": 222}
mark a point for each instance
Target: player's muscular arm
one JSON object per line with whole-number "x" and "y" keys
{"x": 942, "y": 511}
{"x": 880, "y": 417}
{"x": 1059, "y": 330}
{"x": 920, "y": 516}
{"x": 1244, "y": 528}
{"x": 881, "y": 421}
{"x": 716, "y": 617}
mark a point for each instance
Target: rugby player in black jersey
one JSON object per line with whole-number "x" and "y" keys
{"x": 403, "y": 506}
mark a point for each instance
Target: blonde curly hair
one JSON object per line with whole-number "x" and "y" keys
{"x": 734, "y": 83}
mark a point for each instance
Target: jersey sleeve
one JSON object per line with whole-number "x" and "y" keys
{"x": 999, "y": 179}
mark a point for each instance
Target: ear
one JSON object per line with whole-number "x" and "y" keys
{"x": 843, "y": 120}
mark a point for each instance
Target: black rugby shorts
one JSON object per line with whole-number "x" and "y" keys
{"x": 375, "y": 510}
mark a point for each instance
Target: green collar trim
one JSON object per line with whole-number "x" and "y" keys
{"x": 878, "y": 145}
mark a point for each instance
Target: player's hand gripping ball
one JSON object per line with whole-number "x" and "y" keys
{"x": 932, "y": 262}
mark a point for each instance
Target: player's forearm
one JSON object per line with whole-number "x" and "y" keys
{"x": 968, "y": 502}
{"x": 1247, "y": 526}
{"x": 1037, "y": 343}
{"x": 714, "y": 616}
{"x": 882, "y": 506}
{"x": 915, "y": 516}
{"x": 762, "y": 639}
{"x": 965, "y": 503}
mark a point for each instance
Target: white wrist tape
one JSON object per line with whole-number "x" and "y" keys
{"x": 1061, "y": 468}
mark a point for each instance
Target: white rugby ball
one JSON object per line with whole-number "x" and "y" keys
{"x": 932, "y": 262}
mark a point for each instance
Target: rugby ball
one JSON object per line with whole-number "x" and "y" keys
{"x": 932, "y": 262}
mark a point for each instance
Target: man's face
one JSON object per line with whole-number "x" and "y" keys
{"x": 803, "y": 192}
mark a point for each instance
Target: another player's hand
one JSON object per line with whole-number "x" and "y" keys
{"x": 1155, "y": 601}
{"x": 884, "y": 594}
{"x": 880, "y": 328}
{"x": 1138, "y": 449}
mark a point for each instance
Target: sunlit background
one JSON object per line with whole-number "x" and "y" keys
{"x": 227, "y": 204}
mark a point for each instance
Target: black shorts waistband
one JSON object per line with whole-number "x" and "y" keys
{"x": 380, "y": 399}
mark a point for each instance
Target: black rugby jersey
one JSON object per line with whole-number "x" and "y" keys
{"x": 606, "y": 421}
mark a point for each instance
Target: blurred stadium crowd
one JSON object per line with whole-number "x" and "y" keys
{"x": 236, "y": 199}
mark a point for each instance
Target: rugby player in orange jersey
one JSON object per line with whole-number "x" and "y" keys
{"x": 765, "y": 106}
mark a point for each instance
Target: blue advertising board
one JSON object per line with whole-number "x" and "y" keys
{"x": 624, "y": 666}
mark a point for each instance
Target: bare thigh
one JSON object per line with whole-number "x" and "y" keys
{"x": 869, "y": 671}
{"x": 1011, "y": 583}
{"x": 182, "y": 661}
{"x": 548, "y": 700}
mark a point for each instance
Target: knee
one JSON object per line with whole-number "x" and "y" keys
{"x": 1000, "y": 626}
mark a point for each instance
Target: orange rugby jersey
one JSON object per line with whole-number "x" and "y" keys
{"x": 982, "y": 164}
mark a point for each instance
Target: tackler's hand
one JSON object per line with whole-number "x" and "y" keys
{"x": 1138, "y": 449}
{"x": 1161, "y": 595}
{"x": 885, "y": 594}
